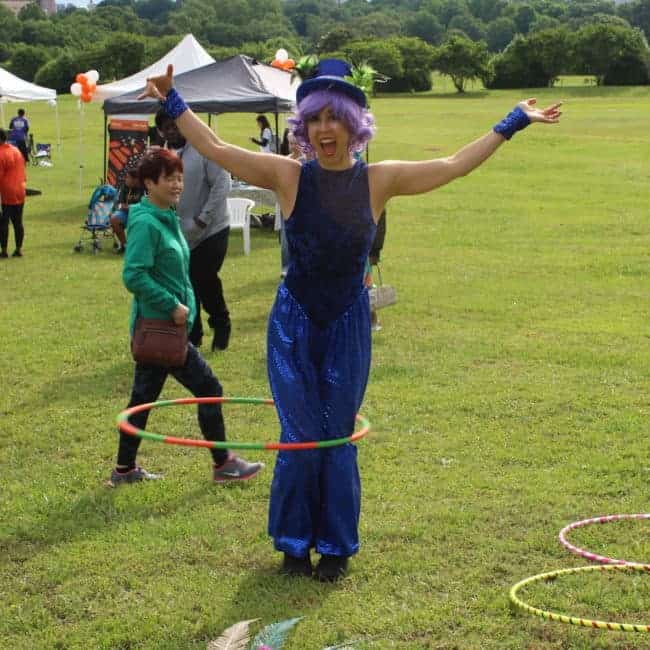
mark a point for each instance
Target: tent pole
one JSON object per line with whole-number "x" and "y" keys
{"x": 58, "y": 127}
{"x": 277, "y": 131}
{"x": 81, "y": 162}
{"x": 105, "y": 144}
{"x": 210, "y": 120}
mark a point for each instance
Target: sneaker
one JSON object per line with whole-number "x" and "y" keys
{"x": 3, "y": 254}
{"x": 331, "y": 568}
{"x": 16, "y": 254}
{"x": 296, "y": 566}
{"x": 235, "y": 469}
{"x": 135, "y": 475}
{"x": 221, "y": 336}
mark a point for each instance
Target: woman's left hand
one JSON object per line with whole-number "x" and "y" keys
{"x": 158, "y": 87}
{"x": 549, "y": 115}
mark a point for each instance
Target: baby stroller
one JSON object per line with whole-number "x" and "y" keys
{"x": 97, "y": 225}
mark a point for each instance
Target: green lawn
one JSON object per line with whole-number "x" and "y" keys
{"x": 508, "y": 397}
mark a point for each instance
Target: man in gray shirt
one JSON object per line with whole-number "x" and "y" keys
{"x": 203, "y": 211}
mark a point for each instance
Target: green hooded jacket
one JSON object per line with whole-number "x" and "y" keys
{"x": 157, "y": 264}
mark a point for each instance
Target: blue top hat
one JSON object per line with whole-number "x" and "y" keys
{"x": 329, "y": 76}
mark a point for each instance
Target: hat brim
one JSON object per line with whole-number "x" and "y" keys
{"x": 331, "y": 83}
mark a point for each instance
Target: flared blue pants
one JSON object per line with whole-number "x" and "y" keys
{"x": 318, "y": 378}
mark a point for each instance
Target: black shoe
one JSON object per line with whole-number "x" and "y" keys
{"x": 331, "y": 568}
{"x": 221, "y": 336}
{"x": 296, "y": 566}
{"x": 16, "y": 254}
{"x": 3, "y": 254}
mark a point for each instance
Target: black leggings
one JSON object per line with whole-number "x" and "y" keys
{"x": 199, "y": 379}
{"x": 13, "y": 213}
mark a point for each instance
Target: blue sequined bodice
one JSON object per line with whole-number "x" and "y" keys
{"x": 330, "y": 233}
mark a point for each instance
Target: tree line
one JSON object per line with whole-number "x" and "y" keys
{"x": 504, "y": 43}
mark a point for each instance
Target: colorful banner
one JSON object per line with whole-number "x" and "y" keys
{"x": 127, "y": 142}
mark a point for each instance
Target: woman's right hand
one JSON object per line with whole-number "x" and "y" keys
{"x": 179, "y": 315}
{"x": 158, "y": 87}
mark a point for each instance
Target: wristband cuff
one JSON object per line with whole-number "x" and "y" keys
{"x": 174, "y": 105}
{"x": 515, "y": 121}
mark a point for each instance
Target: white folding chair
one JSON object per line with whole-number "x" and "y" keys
{"x": 240, "y": 218}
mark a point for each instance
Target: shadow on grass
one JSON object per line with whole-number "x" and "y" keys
{"x": 93, "y": 387}
{"x": 92, "y": 512}
{"x": 307, "y": 596}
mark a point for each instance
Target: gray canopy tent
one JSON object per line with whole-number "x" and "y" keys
{"x": 236, "y": 85}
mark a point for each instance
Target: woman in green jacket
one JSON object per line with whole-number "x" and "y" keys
{"x": 156, "y": 272}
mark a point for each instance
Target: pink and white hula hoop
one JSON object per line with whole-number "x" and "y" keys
{"x": 594, "y": 557}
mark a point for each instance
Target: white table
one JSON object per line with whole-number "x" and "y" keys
{"x": 261, "y": 196}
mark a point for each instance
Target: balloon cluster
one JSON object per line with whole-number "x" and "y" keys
{"x": 283, "y": 61}
{"x": 85, "y": 85}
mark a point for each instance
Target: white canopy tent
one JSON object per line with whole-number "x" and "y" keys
{"x": 187, "y": 55}
{"x": 15, "y": 89}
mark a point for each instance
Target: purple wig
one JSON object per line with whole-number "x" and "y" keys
{"x": 359, "y": 122}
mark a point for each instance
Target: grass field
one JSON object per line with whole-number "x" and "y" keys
{"x": 508, "y": 397}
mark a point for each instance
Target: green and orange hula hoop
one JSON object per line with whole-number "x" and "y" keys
{"x": 126, "y": 427}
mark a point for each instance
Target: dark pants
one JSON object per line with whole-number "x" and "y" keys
{"x": 21, "y": 145}
{"x": 205, "y": 263}
{"x": 13, "y": 213}
{"x": 199, "y": 379}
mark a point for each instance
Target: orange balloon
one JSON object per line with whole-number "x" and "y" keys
{"x": 277, "y": 64}
{"x": 289, "y": 64}
{"x": 86, "y": 97}
{"x": 92, "y": 88}
{"x": 81, "y": 79}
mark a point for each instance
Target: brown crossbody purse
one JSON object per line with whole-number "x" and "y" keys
{"x": 159, "y": 342}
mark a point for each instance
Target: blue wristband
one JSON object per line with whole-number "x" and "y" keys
{"x": 174, "y": 105}
{"x": 515, "y": 121}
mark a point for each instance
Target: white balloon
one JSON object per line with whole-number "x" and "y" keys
{"x": 92, "y": 76}
{"x": 51, "y": 102}
{"x": 281, "y": 55}
{"x": 75, "y": 89}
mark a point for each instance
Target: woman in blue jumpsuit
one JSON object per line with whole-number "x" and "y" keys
{"x": 319, "y": 328}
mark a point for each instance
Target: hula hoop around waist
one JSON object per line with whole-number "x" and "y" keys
{"x": 126, "y": 427}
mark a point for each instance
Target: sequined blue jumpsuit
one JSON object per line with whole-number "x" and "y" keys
{"x": 319, "y": 360}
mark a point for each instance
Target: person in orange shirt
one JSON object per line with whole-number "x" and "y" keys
{"x": 12, "y": 193}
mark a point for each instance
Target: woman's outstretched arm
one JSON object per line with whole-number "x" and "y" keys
{"x": 399, "y": 177}
{"x": 259, "y": 169}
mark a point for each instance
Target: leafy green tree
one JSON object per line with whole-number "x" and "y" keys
{"x": 335, "y": 39}
{"x": 499, "y": 33}
{"x": 31, "y": 12}
{"x": 637, "y": 13}
{"x": 486, "y": 10}
{"x": 42, "y": 32}
{"x": 518, "y": 67}
{"x": 58, "y": 73}
{"x": 26, "y": 60}
{"x": 552, "y": 49}
{"x": 383, "y": 55}
{"x": 117, "y": 19}
{"x": 5, "y": 52}
{"x": 467, "y": 24}
{"x": 544, "y": 22}
{"x": 586, "y": 8}
{"x": 600, "y": 48}
{"x": 156, "y": 11}
{"x": 424, "y": 25}
{"x": 524, "y": 16}
{"x": 462, "y": 60}
{"x": 450, "y": 8}
{"x": 9, "y": 25}
{"x": 379, "y": 25}
{"x": 418, "y": 57}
